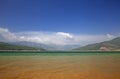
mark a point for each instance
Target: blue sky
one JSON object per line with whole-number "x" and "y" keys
{"x": 73, "y": 16}
{"x": 59, "y": 22}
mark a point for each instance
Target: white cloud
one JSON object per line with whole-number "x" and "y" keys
{"x": 57, "y": 38}
{"x": 7, "y": 35}
{"x": 3, "y": 30}
{"x": 64, "y": 34}
{"x": 110, "y": 36}
{"x": 45, "y": 37}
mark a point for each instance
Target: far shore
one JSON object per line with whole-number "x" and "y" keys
{"x": 61, "y": 51}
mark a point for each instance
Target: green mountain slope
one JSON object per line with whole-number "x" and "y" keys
{"x": 7, "y": 46}
{"x": 106, "y": 45}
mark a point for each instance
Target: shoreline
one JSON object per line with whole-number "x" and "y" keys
{"x": 73, "y": 51}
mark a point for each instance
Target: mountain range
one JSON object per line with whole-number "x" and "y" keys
{"x": 8, "y": 46}
{"x": 51, "y": 47}
{"x": 113, "y": 44}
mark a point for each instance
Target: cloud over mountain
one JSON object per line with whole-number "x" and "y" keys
{"x": 57, "y": 38}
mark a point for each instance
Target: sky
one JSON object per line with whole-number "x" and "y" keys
{"x": 64, "y": 21}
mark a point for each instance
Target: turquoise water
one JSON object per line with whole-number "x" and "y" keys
{"x": 55, "y": 53}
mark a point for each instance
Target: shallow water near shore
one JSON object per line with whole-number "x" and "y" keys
{"x": 60, "y": 66}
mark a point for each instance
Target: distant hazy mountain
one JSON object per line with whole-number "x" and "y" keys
{"x": 113, "y": 44}
{"x": 106, "y": 45}
{"x": 36, "y": 45}
{"x": 68, "y": 47}
{"x": 7, "y": 46}
{"x": 46, "y": 46}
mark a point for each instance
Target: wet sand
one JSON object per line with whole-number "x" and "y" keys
{"x": 60, "y": 67}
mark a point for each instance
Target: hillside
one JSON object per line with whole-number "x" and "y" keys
{"x": 35, "y": 45}
{"x": 113, "y": 44}
{"x": 7, "y": 46}
{"x": 49, "y": 47}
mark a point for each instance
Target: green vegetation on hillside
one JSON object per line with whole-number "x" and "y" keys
{"x": 106, "y": 45}
{"x": 7, "y": 46}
